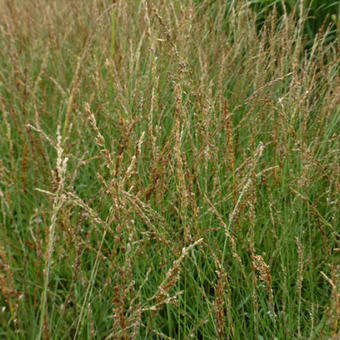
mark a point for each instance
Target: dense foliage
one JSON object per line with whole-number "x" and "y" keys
{"x": 320, "y": 15}
{"x": 161, "y": 179}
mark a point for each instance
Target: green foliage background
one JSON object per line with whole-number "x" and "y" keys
{"x": 318, "y": 14}
{"x": 321, "y": 14}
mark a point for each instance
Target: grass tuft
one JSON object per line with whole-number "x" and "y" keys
{"x": 168, "y": 170}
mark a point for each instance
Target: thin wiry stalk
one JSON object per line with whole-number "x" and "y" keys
{"x": 58, "y": 201}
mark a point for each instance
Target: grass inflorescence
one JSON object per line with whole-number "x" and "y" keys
{"x": 168, "y": 170}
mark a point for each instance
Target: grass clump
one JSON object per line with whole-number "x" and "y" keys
{"x": 164, "y": 177}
